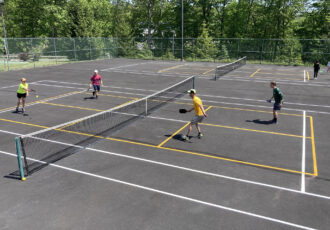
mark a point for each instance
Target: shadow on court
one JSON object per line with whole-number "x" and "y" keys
{"x": 261, "y": 122}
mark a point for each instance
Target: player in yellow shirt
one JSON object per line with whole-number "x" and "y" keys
{"x": 22, "y": 92}
{"x": 199, "y": 114}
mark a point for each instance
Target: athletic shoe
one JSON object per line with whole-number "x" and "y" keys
{"x": 185, "y": 138}
{"x": 200, "y": 135}
{"x": 93, "y": 93}
{"x": 23, "y": 110}
{"x": 16, "y": 110}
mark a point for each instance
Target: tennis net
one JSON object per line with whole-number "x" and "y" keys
{"x": 55, "y": 143}
{"x": 222, "y": 70}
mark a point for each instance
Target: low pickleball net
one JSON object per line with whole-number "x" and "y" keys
{"x": 52, "y": 144}
{"x": 224, "y": 69}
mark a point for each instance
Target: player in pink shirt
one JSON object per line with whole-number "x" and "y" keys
{"x": 96, "y": 80}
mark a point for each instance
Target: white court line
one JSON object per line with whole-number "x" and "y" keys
{"x": 227, "y": 77}
{"x": 10, "y": 86}
{"x": 181, "y": 168}
{"x": 40, "y": 101}
{"x": 303, "y": 162}
{"x": 304, "y": 75}
{"x": 123, "y": 66}
{"x": 203, "y": 95}
{"x": 262, "y": 80}
{"x": 173, "y": 195}
{"x": 184, "y": 99}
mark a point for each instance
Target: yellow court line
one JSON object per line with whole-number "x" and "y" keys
{"x": 313, "y": 147}
{"x": 238, "y": 161}
{"x": 23, "y": 123}
{"x": 307, "y": 76}
{"x": 206, "y": 124}
{"x": 289, "y": 74}
{"x": 173, "y": 149}
{"x": 267, "y": 78}
{"x": 255, "y": 73}
{"x": 70, "y": 106}
{"x": 170, "y": 68}
{"x": 161, "y": 144}
{"x": 164, "y": 142}
{"x": 110, "y": 95}
{"x": 254, "y": 130}
{"x": 39, "y": 101}
{"x": 101, "y": 111}
{"x": 208, "y": 71}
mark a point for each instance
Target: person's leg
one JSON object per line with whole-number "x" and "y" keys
{"x": 199, "y": 131}
{"x": 316, "y": 72}
{"x": 198, "y": 128}
{"x": 23, "y": 104}
{"x": 94, "y": 88}
{"x": 189, "y": 130}
{"x": 97, "y": 91}
{"x": 18, "y": 103}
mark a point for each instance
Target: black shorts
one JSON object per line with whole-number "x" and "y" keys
{"x": 277, "y": 106}
{"x": 21, "y": 95}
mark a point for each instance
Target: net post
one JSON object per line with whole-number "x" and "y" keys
{"x": 19, "y": 158}
{"x": 194, "y": 82}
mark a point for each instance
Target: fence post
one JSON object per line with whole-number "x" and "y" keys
{"x": 55, "y": 50}
{"x": 74, "y": 49}
{"x": 238, "y": 43}
{"x": 90, "y": 48}
{"x": 104, "y": 48}
{"x": 262, "y": 50}
{"x": 33, "y": 55}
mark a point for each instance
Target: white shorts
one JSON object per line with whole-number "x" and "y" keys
{"x": 197, "y": 119}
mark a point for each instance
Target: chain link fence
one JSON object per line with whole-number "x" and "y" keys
{"x": 35, "y": 52}
{"x": 261, "y": 51}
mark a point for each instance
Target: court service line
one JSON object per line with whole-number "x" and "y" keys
{"x": 216, "y": 102}
{"x": 263, "y": 80}
{"x": 162, "y": 192}
{"x": 208, "y": 71}
{"x": 255, "y": 72}
{"x": 183, "y": 168}
{"x": 303, "y": 163}
{"x": 171, "y": 149}
{"x": 313, "y": 146}
{"x": 167, "y": 119}
{"x": 202, "y": 95}
{"x": 118, "y": 67}
{"x": 176, "y": 132}
{"x": 10, "y": 86}
{"x": 42, "y": 100}
{"x": 170, "y": 68}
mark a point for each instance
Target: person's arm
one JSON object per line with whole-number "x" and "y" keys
{"x": 203, "y": 111}
{"x": 101, "y": 82}
{"x": 190, "y": 109}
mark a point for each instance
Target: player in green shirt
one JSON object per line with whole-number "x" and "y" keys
{"x": 278, "y": 98}
{"x": 22, "y": 92}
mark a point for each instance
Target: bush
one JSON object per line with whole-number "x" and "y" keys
{"x": 23, "y": 56}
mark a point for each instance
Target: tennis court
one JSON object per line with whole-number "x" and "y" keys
{"x": 245, "y": 173}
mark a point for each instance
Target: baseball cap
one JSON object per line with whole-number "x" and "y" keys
{"x": 96, "y": 71}
{"x": 192, "y": 91}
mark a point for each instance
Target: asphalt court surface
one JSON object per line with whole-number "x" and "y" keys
{"x": 144, "y": 177}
